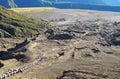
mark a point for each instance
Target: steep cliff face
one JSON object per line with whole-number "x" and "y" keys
{"x": 12, "y": 4}
{"x": 19, "y": 3}
{"x": 22, "y": 3}
{"x": 8, "y": 3}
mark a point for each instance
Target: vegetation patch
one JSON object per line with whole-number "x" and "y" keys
{"x": 13, "y": 24}
{"x": 32, "y": 9}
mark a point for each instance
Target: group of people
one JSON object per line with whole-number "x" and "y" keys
{"x": 11, "y": 72}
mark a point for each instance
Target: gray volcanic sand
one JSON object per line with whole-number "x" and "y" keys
{"x": 71, "y": 15}
{"x": 78, "y": 58}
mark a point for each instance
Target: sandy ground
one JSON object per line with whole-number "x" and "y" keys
{"x": 71, "y": 15}
{"x": 81, "y": 63}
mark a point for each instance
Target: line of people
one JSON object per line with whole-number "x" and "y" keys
{"x": 12, "y": 72}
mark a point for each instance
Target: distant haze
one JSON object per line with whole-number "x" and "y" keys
{"x": 65, "y": 4}
{"x": 93, "y": 2}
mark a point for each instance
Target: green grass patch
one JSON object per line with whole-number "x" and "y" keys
{"x": 13, "y": 24}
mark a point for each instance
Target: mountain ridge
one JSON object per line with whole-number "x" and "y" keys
{"x": 104, "y": 5}
{"x": 31, "y": 3}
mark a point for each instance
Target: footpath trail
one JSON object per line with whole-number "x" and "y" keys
{"x": 14, "y": 71}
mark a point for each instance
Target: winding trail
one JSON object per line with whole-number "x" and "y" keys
{"x": 21, "y": 69}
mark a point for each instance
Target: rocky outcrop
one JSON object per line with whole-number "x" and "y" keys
{"x": 1, "y": 64}
{"x": 74, "y": 74}
{"x": 4, "y": 55}
{"x": 61, "y": 37}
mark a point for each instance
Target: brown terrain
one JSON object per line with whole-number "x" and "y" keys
{"x": 79, "y": 44}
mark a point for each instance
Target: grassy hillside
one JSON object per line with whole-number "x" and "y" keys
{"x": 32, "y": 9}
{"x": 16, "y": 25}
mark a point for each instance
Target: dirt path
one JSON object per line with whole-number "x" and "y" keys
{"x": 15, "y": 71}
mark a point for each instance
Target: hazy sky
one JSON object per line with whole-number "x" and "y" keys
{"x": 112, "y": 2}
{"x": 103, "y": 2}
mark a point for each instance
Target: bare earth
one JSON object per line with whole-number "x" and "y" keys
{"x": 85, "y": 56}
